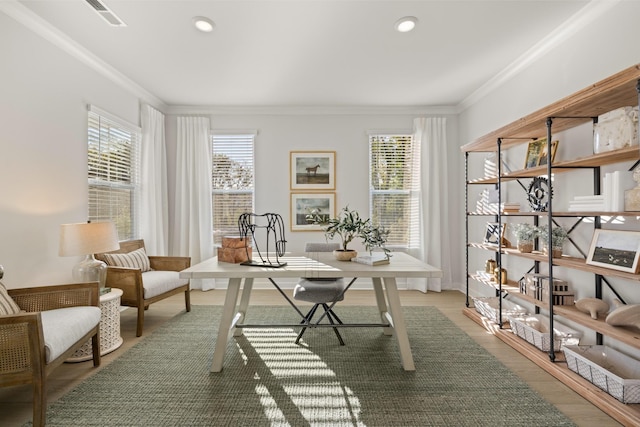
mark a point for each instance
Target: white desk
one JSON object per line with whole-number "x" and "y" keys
{"x": 312, "y": 265}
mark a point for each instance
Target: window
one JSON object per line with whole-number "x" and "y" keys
{"x": 113, "y": 164}
{"x": 394, "y": 188}
{"x": 233, "y": 182}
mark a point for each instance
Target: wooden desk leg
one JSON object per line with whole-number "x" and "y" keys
{"x": 382, "y": 304}
{"x": 398, "y": 323}
{"x": 228, "y": 312}
{"x": 244, "y": 305}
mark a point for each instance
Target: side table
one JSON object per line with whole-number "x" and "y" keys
{"x": 110, "y": 338}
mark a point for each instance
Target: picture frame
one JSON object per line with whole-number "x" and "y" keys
{"x": 615, "y": 249}
{"x": 305, "y": 207}
{"x": 542, "y": 160}
{"x": 537, "y": 153}
{"x": 491, "y": 235}
{"x": 312, "y": 170}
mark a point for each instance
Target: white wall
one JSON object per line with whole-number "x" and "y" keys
{"x": 278, "y": 134}
{"x": 44, "y": 94}
{"x": 603, "y": 48}
{"x": 43, "y": 148}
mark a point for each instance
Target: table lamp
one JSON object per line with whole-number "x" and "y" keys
{"x": 86, "y": 239}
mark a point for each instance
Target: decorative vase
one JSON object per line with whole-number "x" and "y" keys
{"x": 556, "y": 251}
{"x": 342, "y": 255}
{"x": 525, "y": 246}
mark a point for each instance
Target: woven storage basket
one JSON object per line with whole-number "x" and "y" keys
{"x": 612, "y": 371}
{"x": 488, "y": 307}
{"x": 535, "y": 330}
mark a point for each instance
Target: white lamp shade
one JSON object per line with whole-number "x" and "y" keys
{"x": 88, "y": 238}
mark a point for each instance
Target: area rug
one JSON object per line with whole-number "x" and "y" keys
{"x": 268, "y": 380}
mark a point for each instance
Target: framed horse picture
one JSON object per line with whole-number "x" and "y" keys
{"x": 312, "y": 170}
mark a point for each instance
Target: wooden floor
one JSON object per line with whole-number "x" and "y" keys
{"x": 15, "y": 402}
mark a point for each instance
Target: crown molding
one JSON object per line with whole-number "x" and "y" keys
{"x": 309, "y": 110}
{"x": 585, "y": 16}
{"x": 33, "y": 22}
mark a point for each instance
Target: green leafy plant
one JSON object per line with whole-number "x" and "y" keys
{"x": 526, "y": 232}
{"x": 350, "y": 225}
{"x": 558, "y": 236}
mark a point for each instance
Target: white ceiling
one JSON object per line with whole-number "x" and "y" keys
{"x": 317, "y": 53}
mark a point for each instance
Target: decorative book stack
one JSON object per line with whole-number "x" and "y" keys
{"x": 587, "y": 204}
{"x": 373, "y": 259}
{"x": 612, "y": 199}
{"x": 234, "y": 250}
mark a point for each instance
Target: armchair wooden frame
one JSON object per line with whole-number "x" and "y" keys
{"x": 130, "y": 280}
{"x": 22, "y": 350}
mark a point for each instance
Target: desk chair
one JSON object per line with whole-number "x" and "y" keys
{"x": 320, "y": 292}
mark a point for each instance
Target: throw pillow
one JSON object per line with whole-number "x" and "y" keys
{"x": 7, "y": 304}
{"x": 133, "y": 259}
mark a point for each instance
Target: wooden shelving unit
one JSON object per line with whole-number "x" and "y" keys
{"x": 626, "y": 414}
{"x": 619, "y": 90}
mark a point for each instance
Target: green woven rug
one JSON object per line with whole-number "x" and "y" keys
{"x": 267, "y": 380}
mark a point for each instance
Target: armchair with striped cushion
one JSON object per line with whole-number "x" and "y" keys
{"x": 144, "y": 279}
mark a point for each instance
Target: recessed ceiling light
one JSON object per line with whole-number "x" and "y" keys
{"x": 406, "y": 24}
{"x": 203, "y": 24}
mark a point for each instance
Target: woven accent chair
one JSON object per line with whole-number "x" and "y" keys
{"x": 321, "y": 292}
{"x": 54, "y": 322}
{"x": 144, "y": 279}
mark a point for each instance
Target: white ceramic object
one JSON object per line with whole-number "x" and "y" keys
{"x": 592, "y": 306}
{"x": 624, "y": 315}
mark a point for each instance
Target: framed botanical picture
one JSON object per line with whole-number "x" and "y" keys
{"x": 309, "y": 211}
{"x": 616, "y": 249}
{"x": 313, "y": 170}
{"x": 493, "y": 234}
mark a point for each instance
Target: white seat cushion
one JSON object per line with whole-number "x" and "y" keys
{"x": 63, "y": 327}
{"x": 157, "y": 282}
{"x": 319, "y": 291}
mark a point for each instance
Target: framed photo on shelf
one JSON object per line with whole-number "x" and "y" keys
{"x": 543, "y": 151}
{"x": 492, "y": 234}
{"x": 537, "y": 153}
{"x": 312, "y": 170}
{"x": 310, "y": 210}
{"x": 615, "y": 249}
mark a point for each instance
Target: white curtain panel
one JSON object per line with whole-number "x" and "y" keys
{"x": 434, "y": 248}
{"x": 154, "y": 205}
{"x": 193, "y": 228}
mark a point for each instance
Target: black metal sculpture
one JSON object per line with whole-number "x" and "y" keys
{"x": 248, "y": 223}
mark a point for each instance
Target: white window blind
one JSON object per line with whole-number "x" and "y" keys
{"x": 394, "y": 187}
{"x": 113, "y": 164}
{"x": 233, "y": 182}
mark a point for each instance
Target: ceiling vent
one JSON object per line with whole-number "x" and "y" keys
{"x": 105, "y": 13}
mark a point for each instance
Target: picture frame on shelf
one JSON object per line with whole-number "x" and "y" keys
{"x": 311, "y": 211}
{"x": 537, "y": 153}
{"x": 542, "y": 160}
{"x": 312, "y": 170}
{"x": 615, "y": 249}
{"x": 493, "y": 234}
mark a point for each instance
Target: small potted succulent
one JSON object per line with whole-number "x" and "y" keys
{"x": 525, "y": 235}
{"x": 558, "y": 236}
{"x": 350, "y": 225}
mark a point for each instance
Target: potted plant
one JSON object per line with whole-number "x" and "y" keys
{"x": 558, "y": 236}
{"x": 525, "y": 235}
{"x": 350, "y": 225}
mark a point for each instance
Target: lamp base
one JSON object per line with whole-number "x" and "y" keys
{"x": 90, "y": 270}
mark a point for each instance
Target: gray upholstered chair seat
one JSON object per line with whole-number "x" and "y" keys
{"x": 319, "y": 291}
